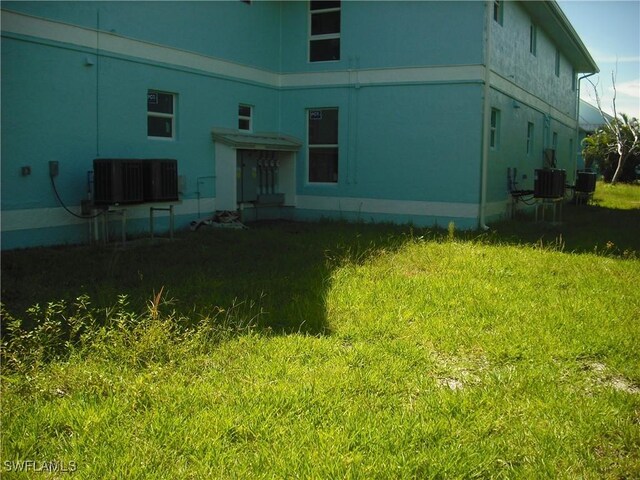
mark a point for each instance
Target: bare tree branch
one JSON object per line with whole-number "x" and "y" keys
{"x": 617, "y": 126}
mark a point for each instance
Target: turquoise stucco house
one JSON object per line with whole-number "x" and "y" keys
{"x": 370, "y": 110}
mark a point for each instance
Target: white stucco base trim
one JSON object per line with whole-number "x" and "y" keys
{"x": 388, "y": 206}
{"x": 27, "y": 219}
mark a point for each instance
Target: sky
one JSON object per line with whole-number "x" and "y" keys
{"x": 610, "y": 29}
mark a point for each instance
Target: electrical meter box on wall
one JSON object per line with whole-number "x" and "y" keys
{"x": 247, "y": 176}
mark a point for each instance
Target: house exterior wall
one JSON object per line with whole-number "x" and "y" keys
{"x": 56, "y": 107}
{"x": 409, "y": 94}
{"x": 396, "y": 153}
{"x": 228, "y": 30}
{"x": 525, "y": 89}
{"x": 400, "y": 92}
{"x": 389, "y": 34}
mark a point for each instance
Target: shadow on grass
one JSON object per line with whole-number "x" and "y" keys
{"x": 583, "y": 229}
{"x": 278, "y": 272}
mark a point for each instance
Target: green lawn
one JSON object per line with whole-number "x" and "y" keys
{"x": 332, "y": 351}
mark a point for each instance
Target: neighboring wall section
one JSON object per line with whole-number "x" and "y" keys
{"x": 397, "y": 156}
{"x": 534, "y": 73}
{"x": 73, "y": 94}
{"x": 383, "y": 34}
{"x": 408, "y": 92}
{"x": 534, "y": 95}
{"x": 242, "y": 33}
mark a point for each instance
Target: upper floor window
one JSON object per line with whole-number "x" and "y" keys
{"x": 533, "y": 39}
{"x": 160, "y": 114}
{"x": 557, "y": 63}
{"x": 324, "y": 24}
{"x": 530, "y": 132}
{"x": 244, "y": 117}
{"x": 574, "y": 80}
{"x": 498, "y": 6}
{"x": 323, "y": 145}
{"x": 494, "y": 139}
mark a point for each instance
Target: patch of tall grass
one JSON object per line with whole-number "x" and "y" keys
{"x": 117, "y": 334}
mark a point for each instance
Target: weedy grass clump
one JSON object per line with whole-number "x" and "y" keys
{"x": 117, "y": 334}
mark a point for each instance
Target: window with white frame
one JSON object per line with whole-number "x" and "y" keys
{"x": 323, "y": 145}
{"x": 574, "y": 80}
{"x": 498, "y": 6}
{"x": 533, "y": 39}
{"x": 494, "y": 138}
{"x": 530, "y": 133}
{"x": 557, "y": 63}
{"x": 160, "y": 114}
{"x": 324, "y": 31}
{"x": 245, "y": 114}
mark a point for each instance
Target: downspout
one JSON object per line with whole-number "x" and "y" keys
{"x": 486, "y": 117}
{"x": 575, "y": 154}
{"x": 280, "y": 72}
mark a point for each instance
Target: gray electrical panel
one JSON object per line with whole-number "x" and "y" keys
{"x": 247, "y": 176}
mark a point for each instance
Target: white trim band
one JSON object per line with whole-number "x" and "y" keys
{"x": 385, "y": 206}
{"x": 32, "y": 218}
{"x": 27, "y": 25}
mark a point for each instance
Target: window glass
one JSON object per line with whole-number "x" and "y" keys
{"x": 529, "y": 138}
{"x": 323, "y": 145}
{"x": 244, "y": 117}
{"x": 324, "y": 31}
{"x": 323, "y": 127}
{"x": 160, "y": 102}
{"x": 497, "y": 11}
{"x": 495, "y": 128}
{"x": 323, "y": 165}
{"x": 533, "y": 34}
{"x": 324, "y": 50}
{"x": 324, "y": 23}
{"x": 159, "y": 127}
{"x": 323, "y": 5}
{"x": 160, "y": 114}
